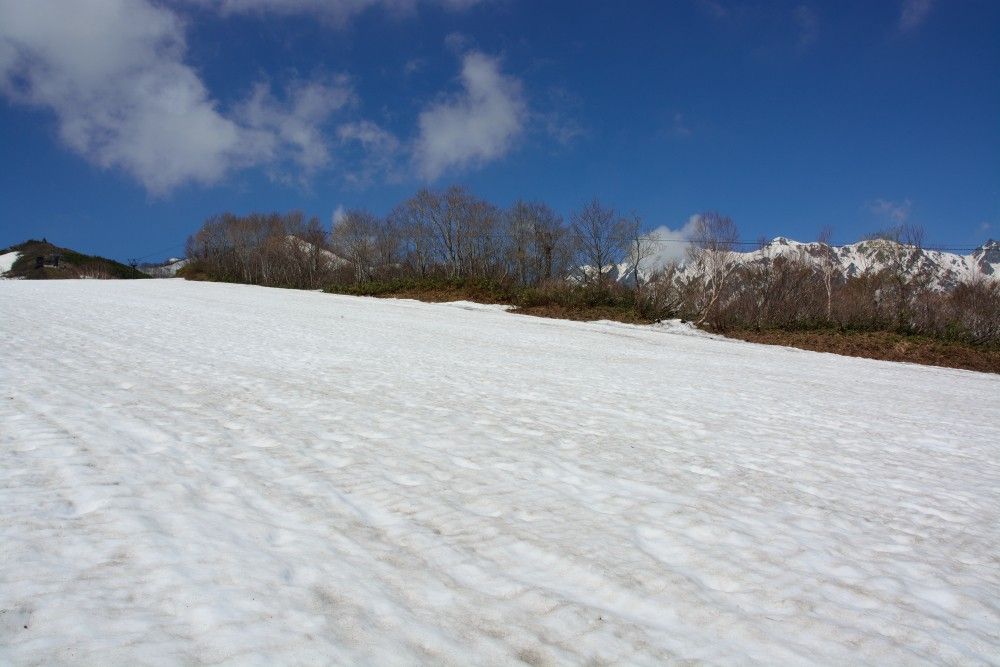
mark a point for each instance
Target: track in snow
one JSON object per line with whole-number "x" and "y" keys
{"x": 204, "y": 473}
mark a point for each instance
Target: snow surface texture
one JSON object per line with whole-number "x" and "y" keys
{"x": 7, "y": 261}
{"x": 204, "y": 473}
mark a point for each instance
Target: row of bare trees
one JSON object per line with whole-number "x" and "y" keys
{"x": 278, "y": 250}
{"x": 455, "y": 234}
{"x": 452, "y": 234}
{"x": 790, "y": 293}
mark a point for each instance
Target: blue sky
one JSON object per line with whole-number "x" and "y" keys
{"x": 124, "y": 123}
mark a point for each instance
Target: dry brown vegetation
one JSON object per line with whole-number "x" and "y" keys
{"x": 882, "y": 345}
{"x": 568, "y": 303}
{"x": 275, "y": 250}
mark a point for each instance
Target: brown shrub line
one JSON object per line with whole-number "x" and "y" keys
{"x": 571, "y": 303}
{"x": 884, "y": 345}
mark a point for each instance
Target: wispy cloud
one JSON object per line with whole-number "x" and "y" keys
{"x": 913, "y": 13}
{"x": 714, "y": 8}
{"x": 679, "y": 127}
{"x": 413, "y": 66}
{"x": 457, "y": 42}
{"x": 291, "y": 128}
{"x": 560, "y": 118}
{"x": 563, "y": 129}
{"x": 336, "y": 12}
{"x": 379, "y": 152}
{"x": 807, "y": 25}
{"x": 897, "y": 212}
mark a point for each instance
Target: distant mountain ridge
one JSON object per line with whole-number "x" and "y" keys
{"x": 942, "y": 270}
{"x": 165, "y": 269}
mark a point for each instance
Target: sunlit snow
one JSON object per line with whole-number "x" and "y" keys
{"x": 7, "y": 260}
{"x": 197, "y": 473}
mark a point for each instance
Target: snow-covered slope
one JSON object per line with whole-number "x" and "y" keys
{"x": 326, "y": 255}
{"x": 196, "y": 473}
{"x": 7, "y": 261}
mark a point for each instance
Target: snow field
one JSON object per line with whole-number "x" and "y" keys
{"x": 220, "y": 474}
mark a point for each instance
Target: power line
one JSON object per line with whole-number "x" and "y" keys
{"x": 941, "y": 248}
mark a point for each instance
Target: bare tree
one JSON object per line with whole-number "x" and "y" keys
{"x": 664, "y": 292}
{"x": 520, "y": 231}
{"x": 601, "y": 240}
{"x": 552, "y": 244}
{"x": 415, "y": 235}
{"x": 536, "y": 243}
{"x": 828, "y": 268}
{"x": 388, "y": 248}
{"x": 481, "y": 241}
{"x": 900, "y": 250}
{"x": 640, "y": 248}
{"x": 713, "y": 254}
{"x": 353, "y": 237}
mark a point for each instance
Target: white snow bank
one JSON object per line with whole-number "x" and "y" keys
{"x": 7, "y": 261}
{"x": 198, "y": 473}
{"x": 472, "y": 305}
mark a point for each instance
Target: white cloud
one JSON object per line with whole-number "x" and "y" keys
{"x": 671, "y": 244}
{"x": 113, "y": 74}
{"x": 897, "y": 212}
{"x": 913, "y": 13}
{"x": 474, "y": 127}
{"x": 291, "y": 129}
{"x": 339, "y": 214}
{"x": 369, "y": 135}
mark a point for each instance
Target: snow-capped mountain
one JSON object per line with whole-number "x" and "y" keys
{"x": 167, "y": 269}
{"x": 943, "y": 270}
